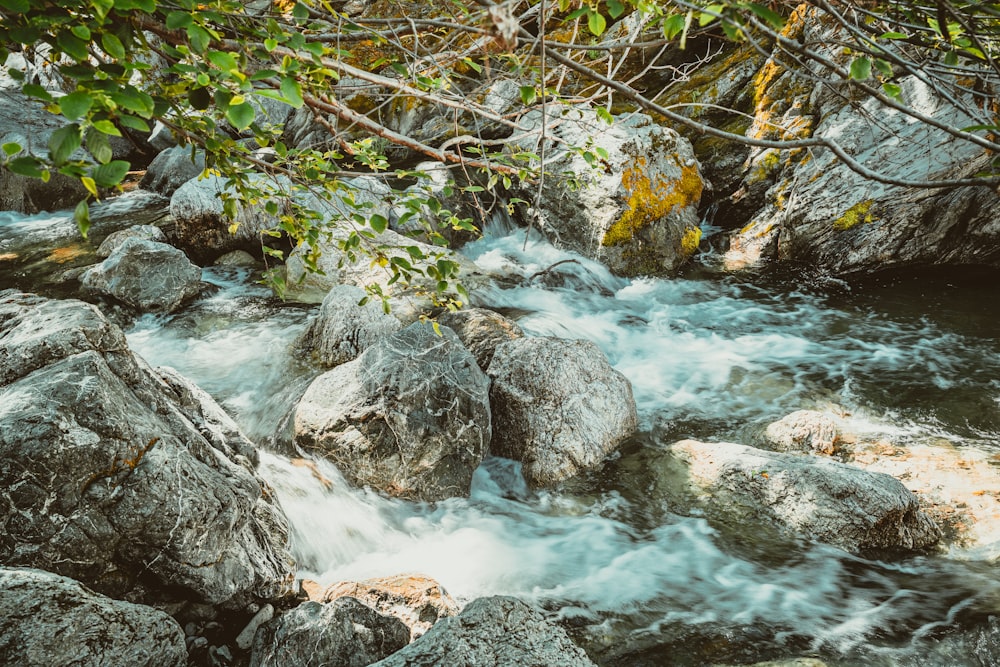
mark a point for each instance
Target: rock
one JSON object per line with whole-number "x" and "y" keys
{"x": 147, "y": 275}
{"x": 236, "y": 258}
{"x": 418, "y": 601}
{"x": 115, "y": 240}
{"x": 492, "y": 631}
{"x": 172, "y": 168}
{"x": 636, "y": 209}
{"x": 342, "y": 329}
{"x": 344, "y": 632}
{"x": 803, "y": 431}
{"x": 410, "y": 416}
{"x": 481, "y": 331}
{"x": 244, "y": 640}
{"x": 558, "y": 407}
{"x": 53, "y": 620}
{"x": 104, "y": 476}
{"x": 809, "y": 497}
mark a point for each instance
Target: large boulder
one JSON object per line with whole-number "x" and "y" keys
{"x": 492, "y": 631}
{"x": 52, "y": 620}
{"x": 172, "y": 168}
{"x": 114, "y": 240}
{"x": 803, "y": 431}
{"x": 481, "y": 330}
{"x": 345, "y": 632}
{"x": 410, "y": 416}
{"x": 343, "y": 329}
{"x": 558, "y": 407}
{"x": 148, "y": 275}
{"x": 106, "y": 477}
{"x": 636, "y": 204}
{"x": 810, "y": 497}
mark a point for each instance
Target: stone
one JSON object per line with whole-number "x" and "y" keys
{"x": 237, "y": 258}
{"x": 636, "y": 210}
{"x": 492, "y": 631}
{"x": 172, "y": 168}
{"x": 803, "y": 431}
{"x": 116, "y": 239}
{"x": 805, "y": 497}
{"x": 244, "y": 640}
{"x": 53, "y": 620}
{"x": 410, "y": 416}
{"x": 417, "y": 600}
{"x": 558, "y": 407}
{"x": 146, "y": 275}
{"x": 342, "y": 329}
{"x": 105, "y": 477}
{"x": 481, "y": 331}
{"x": 344, "y": 632}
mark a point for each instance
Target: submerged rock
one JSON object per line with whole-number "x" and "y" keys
{"x": 558, "y": 407}
{"x": 344, "y": 632}
{"x": 147, "y": 275}
{"x": 481, "y": 331}
{"x": 105, "y": 477}
{"x": 492, "y": 631}
{"x": 343, "y": 329}
{"x": 803, "y": 431}
{"x": 410, "y": 416}
{"x": 809, "y": 497}
{"x": 51, "y": 620}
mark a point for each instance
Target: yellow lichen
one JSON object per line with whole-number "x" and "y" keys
{"x": 860, "y": 212}
{"x": 652, "y": 199}
{"x": 690, "y": 241}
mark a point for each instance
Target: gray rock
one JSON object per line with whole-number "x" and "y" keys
{"x": 344, "y": 632}
{"x": 237, "y": 258}
{"x": 410, "y": 416}
{"x": 52, "y": 620}
{"x": 635, "y": 210}
{"x": 558, "y": 407}
{"x": 482, "y": 331}
{"x": 244, "y": 640}
{"x": 342, "y": 329}
{"x": 809, "y": 497}
{"x": 172, "y": 168}
{"x": 803, "y": 431}
{"x": 147, "y": 275}
{"x": 492, "y": 631}
{"x": 104, "y": 476}
{"x": 113, "y": 241}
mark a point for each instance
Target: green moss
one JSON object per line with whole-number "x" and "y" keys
{"x": 860, "y": 212}
{"x": 651, "y": 199}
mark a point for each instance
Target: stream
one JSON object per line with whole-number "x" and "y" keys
{"x": 637, "y": 577}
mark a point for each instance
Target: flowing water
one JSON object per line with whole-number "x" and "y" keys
{"x": 637, "y": 577}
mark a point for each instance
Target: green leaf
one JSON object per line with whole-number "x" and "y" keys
{"x": 710, "y": 14}
{"x": 179, "y": 20}
{"x": 27, "y": 166}
{"x": 113, "y": 46}
{"x": 111, "y": 174}
{"x": 951, "y": 59}
{"x": 378, "y": 223}
{"x": 300, "y": 11}
{"x": 199, "y": 98}
{"x": 240, "y": 115}
{"x": 861, "y": 69}
{"x": 81, "y": 31}
{"x": 973, "y": 128}
{"x": 597, "y": 23}
{"x": 769, "y": 16}
{"x": 199, "y": 38}
{"x": 72, "y": 45}
{"x": 134, "y": 123}
{"x": 64, "y": 142}
{"x": 224, "y": 61}
{"x": 292, "y": 91}
{"x": 884, "y": 68}
{"x": 34, "y": 90}
{"x": 76, "y": 105}
{"x": 892, "y": 35}
{"x": 892, "y": 90}
{"x": 615, "y": 8}
{"x": 91, "y": 186}
{"x": 98, "y": 145}
{"x": 270, "y": 44}
{"x": 16, "y": 6}
{"x": 11, "y": 148}
{"x": 107, "y": 127}
{"x": 82, "y": 216}
{"x": 528, "y": 95}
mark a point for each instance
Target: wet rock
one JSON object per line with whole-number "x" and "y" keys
{"x": 343, "y": 632}
{"x": 147, "y": 275}
{"x": 343, "y": 329}
{"x": 115, "y": 240}
{"x": 172, "y": 168}
{"x": 558, "y": 407}
{"x": 809, "y": 497}
{"x": 636, "y": 209}
{"x": 237, "y": 258}
{"x": 244, "y": 640}
{"x": 418, "y": 601}
{"x": 803, "y": 431}
{"x": 410, "y": 416}
{"x": 492, "y": 631}
{"x": 105, "y": 478}
{"x": 481, "y": 331}
{"x": 52, "y": 620}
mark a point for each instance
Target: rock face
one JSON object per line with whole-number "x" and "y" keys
{"x": 172, "y": 168}
{"x": 52, "y": 620}
{"x": 492, "y": 631}
{"x": 558, "y": 407}
{"x": 147, "y": 275}
{"x": 803, "y": 431}
{"x": 481, "y": 331}
{"x": 105, "y": 477}
{"x": 344, "y": 632}
{"x": 410, "y": 416}
{"x": 637, "y": 208}
{"x": 810, "y": 497}
{"x": 342, "y": 329}
{"x": 114, "y": 241}
{"x": 418, "y": 601}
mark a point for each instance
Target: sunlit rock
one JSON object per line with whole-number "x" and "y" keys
{"x": 116, "y": 239}
{"x": 343, "y": 329}
{"x": 482, "y": 331}
{"x": 803, "y": 431}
